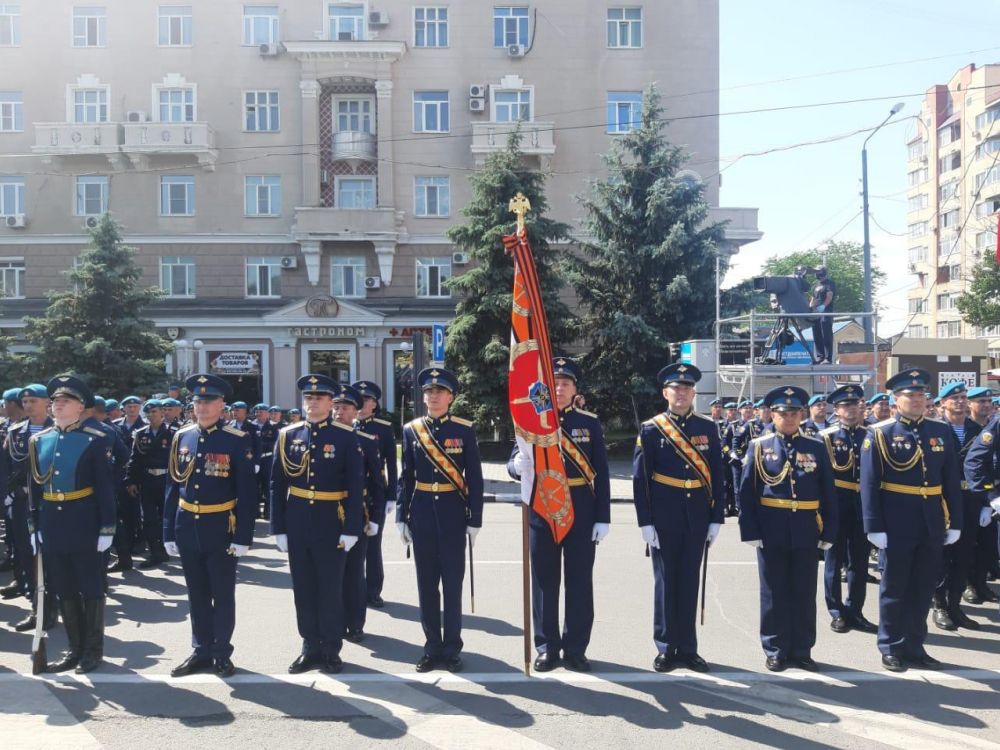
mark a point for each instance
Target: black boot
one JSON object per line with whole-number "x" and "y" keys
{"x": 941, "y": 617}
{"x": 73, "y": 620}
{"x": 93, "y": 644}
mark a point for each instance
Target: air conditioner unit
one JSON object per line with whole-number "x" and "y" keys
{"x": 135, "y": 117}
{"x": 477, "y": 105}
{"x": 378, "y": 18}
{"x": 289, "y": 261}
{"x": 91, "y": 222}
{"x": 372, "y": 282}
{"x": 923, "y": 159}
{"x": 911, "y": 268}
{"x": 269, "y": 50}
{"x": 345, "y": 36}
{"x": 15, "y": 222}
{"x": 516, "y": 50}
{"x": 459, "y": 259}
{"x": 977, "y": 135}
{"x": 477, "y": 91}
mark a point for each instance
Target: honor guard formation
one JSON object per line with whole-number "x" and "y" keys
{"x": 903, "y": 478}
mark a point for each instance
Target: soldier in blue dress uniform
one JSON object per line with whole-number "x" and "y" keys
{"x": 911, "y": 493}
{"x": 371, "y": 424}
{"x": 788, "y": 508}
{"x": 267, "y": 434}
{"x": 678, "y": 487}
{"x": 735, "y": 443}
{"x": 880, "y": 408}
{"x": 440, "y": 502}
{"x": 317, "y": 517}
{"x": 12, "y": 415}
{"x": 73, "y": 517}
{"x": 208, "y": 520}
{"x": 843, "y": 446}
{"x": 119, "y": 459}
{"x": 146, "y": 477}
{"x": 816, "y": 422}
{"x": 241, "y": 422}
{"x": 764, "y": 421}
{"x": 586, "y": 460}
{"x": 984, "y": 559}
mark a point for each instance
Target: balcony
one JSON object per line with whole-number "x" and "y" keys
{"x": 347, "y": 224}
{"x": 144, "y": 140}
{"x": 54, "y": 140}
{"x": 536, "y": 138}
{"x": 353, "y": 146}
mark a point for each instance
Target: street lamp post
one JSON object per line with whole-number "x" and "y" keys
{"x": 869, "y": 332}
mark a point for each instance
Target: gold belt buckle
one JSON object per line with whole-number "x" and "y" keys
{"x": 60, "y": 496}
{"x": 795, "y": 505}
{"x": 311, "y": 494}
{"x": 687, "y": 484}
{"x": 434, "y": 487}
{"x": 923, "y": 492}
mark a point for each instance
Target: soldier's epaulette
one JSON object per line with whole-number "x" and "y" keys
{"x": 188, "y": 428}
{"x": 885, "y": 422}
{"x": 807, "y": 437}
{"x": 386, "y": 422}
{"x": 16, "y": 426}
{"x": 234, "y": 431}
{"x": 463, "y": 422}
{"x": 703, "y": 416}
{"x": 342, "y": 426}
{"x": 93, "y": 431}
{"x": 765, "y": 436}
{"x": 649, "y": 423}
{"x": 829, "y": 430}
{"x": 42, "y": 432}
{"x": 288, "y": 427}
{"x": 587, "y": 413}
{"x": 365, "y": 434}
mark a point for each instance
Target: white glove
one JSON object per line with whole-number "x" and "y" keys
{"x": 713, "y": 533}
{"x": 390, "y": 509}
{"x": 985, "y": 514}
{"x": 601, "y": 530}
{"x": 527, "y": 470}
{"x": 756, "y": 543}
{"x": 951, "y": 536}
{"x": 171, "y": 548}
{"x": 880, "y": 539}
{"x": 238, "y": 550}
{"x": 256, "y": 469}
{"x": 281, "y": 542}
{"x": 103, "y": 542}
{"x": 404, "y": 532}
{"x": 995, "y": 504}
{"x": 473, "y": 532}
{"x": 649, "y": 536}
{"x": 521, "y": 462}
{"x": 372, "y": 529}
{"x": 348, "y": 541}
{"x": 825, "y": 545}
{"x": 8, "y": 501}
{"x": 34, "y": 544}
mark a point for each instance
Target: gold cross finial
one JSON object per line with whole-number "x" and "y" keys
{"x": 519, "y": 205}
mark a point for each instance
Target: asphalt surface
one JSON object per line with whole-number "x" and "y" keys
{"x": 131, "y": 702}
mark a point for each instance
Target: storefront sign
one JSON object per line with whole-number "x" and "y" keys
{"x": 322, "y": 306}
{"x": 407, "y": 332}
{"x": 326, "y": 332}
{"x": 234, "y": 363}
{"x": 969, "y": 378}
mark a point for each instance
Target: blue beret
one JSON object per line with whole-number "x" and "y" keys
{"x": 952, "y": 389}
{"x": 937, "y": 401}
{"x": 368, "y": 388}
{"x": 294, "y": 411}
{"x": 240, "y": 405}
{"x": 844, "y": 393}
{"x": 746, "y": 402}
{"x": 351, "y": 395}
{"x": 786, "y": 397}
{"x": 980, "y": 392}
{"x": 173, "y": 387}
{"x": 679, "y": 372}
{"x": 277, "y": 409}
{"x": 153, "y": 403}
{"x": 437, "y": 377}
{"x": 817, "y": 398}
{"x": 258, "y": 407}
{"x": 915, "y": 379}
{"x": 315, "y": 384}
{"x": 565, "y": 367}
{"x": 35, "y": 390}
{"x": 171, "y": 402}
{"x": 12, "y": 394}
{"x": 730, "y": 404}
{"x": 207, "y": 387}
{"x": 71, "y": 387}
{"x": 878, "y": 397}
{"x": 131, "y": 400}
{"x": 760, "y": 403}
{"x": 98, "y": 401}
{"x": 111, "y": 404}
{"x": 715, "y": 402}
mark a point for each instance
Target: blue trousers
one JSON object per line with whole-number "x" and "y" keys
{"x": 912, "y": 568}
{"x": 24, "y": 571}
{"x": 211, "y": 582}
{"x": 75, "y": 573}
{"x": 676, "y": 566}
{"x": 958, "y": 559}
{"x": 787, "y": 600}
{"x": 374, "y": 569}
{"x": 355, "y": 587}
{"x": 851, "y": 548}
{"x": 318, "y": 590}
{"x": 985, "y": 557}
{"x": 152, "y": 497}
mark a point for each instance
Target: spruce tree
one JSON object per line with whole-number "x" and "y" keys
{"x": 96, "y": 329}
{"x": 478, "y": 341}
{"x": 980, "y": 303}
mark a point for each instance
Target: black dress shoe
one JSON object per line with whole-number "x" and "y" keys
{"x": 943, "y": 620}
{"x": 693, "y": 662}
{"x": 546, "y": 661}
{"x": 664, "y": 663}
{"x": 858, "y": 622}
{"x": 426, "y": 663}
{"x": 871, "y": 579}
{"x": 987, "y": 595}
{"x": 11, "y": 590}
{"x": 28, "y": 623}
{"x": 224, "y": 667}
{"x": 121, "y": 566}
{"x": 577, "y": 662}
{"x": 839, "y": 625}
{"x": 971, "y": 596}
{"x": 304, "y": 663}
{"x": 453, "y": 664}
{"x": 192, "y": 664}
{"x": 332, "y": 665}
{"x": 775, "y": 664}
{"x": 962, "y": 620}
{"x": 893, "y": 663}
{"x": 355, "y": 636}
{"x": 804, "y": 662}
{"x": 923, "y": 661}
{"x": 376, "y": 601}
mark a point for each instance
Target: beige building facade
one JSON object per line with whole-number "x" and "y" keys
{"x": 288, "y": 170}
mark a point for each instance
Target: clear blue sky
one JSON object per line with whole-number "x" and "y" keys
{"x": 806, "y": 194}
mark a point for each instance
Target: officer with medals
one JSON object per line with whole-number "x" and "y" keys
{"x": 817, "y": 416}
{"x": 371, "y": 424}
{"x": 734, "y": 445}
{"x": 208, "y": 520}
{"x": 317, "y": 517}
{"x": 843, "y": 446}
{"x": 678, "y": 487}
{"x": 345, "y": 409}
{"x": 440, "y": 502}
{"x": 146, "y": 477}
{"x": 911, "y": 494}
{"x": 788, "y": 508}
{"x": 267, "y": 433}
{"x": 73, "y": 517}
{"x": 586, "y": 461}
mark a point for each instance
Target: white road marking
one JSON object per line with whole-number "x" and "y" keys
{"x": 518, "y": 562}
{"x": 32, "y": 718}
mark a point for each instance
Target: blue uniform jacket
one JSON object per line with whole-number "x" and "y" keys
{"x": 387, "y": 448}
{"x": 809, "y": 479}
{"x": 62, "y": 462}
{"x": 127, "y": 431}
{"x": 211, "y": 466}
{"x": 374, "y": 482}
{"x": 889, "y": 456}
{"x": 149, "y": 451}
{"x": 811, "y": 429}
{"x": 457, "y": 437}
{"x": 332, "y": 458}
{"x": 668, "y": 507}
{"x": 737, "y": 438}
{"x": 251, "y": 428}
{"x": 980, "y": 466}
{"x": 14, "y": 470}
{"x": 843, "y": 446}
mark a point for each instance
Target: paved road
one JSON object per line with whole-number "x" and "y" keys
{"x": 132, "y": 703}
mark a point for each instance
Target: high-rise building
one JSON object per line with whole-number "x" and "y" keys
{"x": 288, "y": 170}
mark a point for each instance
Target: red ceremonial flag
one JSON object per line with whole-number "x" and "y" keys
{"x": 531, "y": 387}
{"x": 998, "y": 245}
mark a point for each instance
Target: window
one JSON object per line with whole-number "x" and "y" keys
{"x": 987, "y": 118}
{"x": 12, "y": 279}
{"x": 511, "y": 106}
{"x": 11, "y": 196}
{"x": 430, "y": 111}
{"x": 11, "y": 111}
{"x": 10, "y": 25}
{"x": 347, "y": 277}
{"x": 176, "y": 105}
{"x": 355, "y": 192}
{"x": 917, "y": 229}
{"x": 950, "y": 162}
{"x": 347, "y": 22}
{"x": 262, "y": 112}
{"x": 431, "y": 275}
{"x": 986, "y": 240}
{"x": 176, "y": 24}
{"x": 176, "y": 195}
{"x": 916, "y": 332}
{"x": 949, "y": 219}
{"x": 987, "y": 208}
{"x": 955, "y": 272}
{"x": 917, "y": 306}
{"x": 988, "y": 178}
{"x": 918, "y": 176}
{"x": 949, "y": 330}
{"x": 918, "y": 254}
{"x": 948, "y": 191}
{"x": 91, "y": 196}
{"x": 988, "y": 148}
{"x": 918, "y": 149}
{"x": 260, "y": 24}
{"x": 624, "y": 111}
{"x": 90, "y": 105}
{"x": 177, "y": 276}
{"x": 510, "y": 26}
{"x": 624, "y": 27}
{"x": 916, "y": 202}
{"x": 947, "y": 302}
{"x": 949, "y": 134}
{"x": 354, "y": 115}
{"x": 263, "y": 277}
{"x": 430, "y": 27}
{"x": 947, "y": 247}
{"x": 90, "y": 26}
{"x": 263, "y": 196}
{"x": 432, "y": 196}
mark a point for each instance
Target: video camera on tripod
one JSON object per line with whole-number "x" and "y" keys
{"x": 788, "y": 300}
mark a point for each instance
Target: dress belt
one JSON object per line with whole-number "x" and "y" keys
{"x": 435, "y": 487}
{"x": 845, "y": 485}
{"x": 685, "y": 484}
{"x": 63, "y": 496}
{"x": 793, "y": 505}
{"x": 156, "y": 472}
{"x": 906, "y": 489}
{"x": 199, "y": 508}
{"x": 317, "y": 495}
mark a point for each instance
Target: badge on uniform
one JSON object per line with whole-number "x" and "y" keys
{"x": 453, "y": 445}
{"x": 184, "y": 453}
{"x": 328, "y": 451}
{"x": 986, "y": 437}
{"x": 217, "y": 465}
{"x": 806, "y": 462}
{"x": 867, "y": 445}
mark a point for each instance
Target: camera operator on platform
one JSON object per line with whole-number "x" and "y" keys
{"x": 824, "y": 292}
